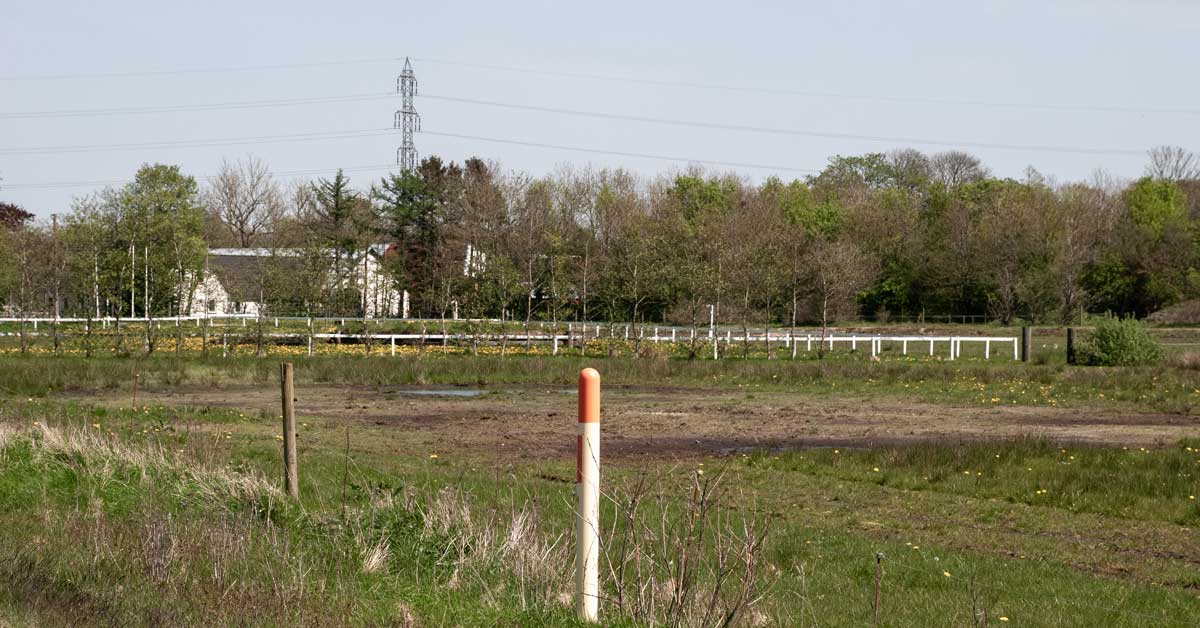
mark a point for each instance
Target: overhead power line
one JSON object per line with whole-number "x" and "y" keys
{"x": 229, "y": 141}
{"x": 899, "y": 140}
{"x": 183, "y": 71}
{"x": 230, "y": 105}
{"x": 917, "y": 100}
{"x": 797, "y": 132}
{"x": 621, "y": 79}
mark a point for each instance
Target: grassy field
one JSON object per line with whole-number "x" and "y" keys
{"x": 162, "y": 513}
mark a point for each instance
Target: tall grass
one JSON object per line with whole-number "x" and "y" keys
{"x": 104, "y": 530}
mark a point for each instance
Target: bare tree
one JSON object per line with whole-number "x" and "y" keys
{"x": 840, "y": 269}
{"x": 246, "y": 199}
{"x": 1172, "y": 163}
{"x": 955, "y": 168}
{"x": 911, "y": 168}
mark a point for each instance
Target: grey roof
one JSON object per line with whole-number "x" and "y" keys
{"x": 242, "y": 271}
{"x": 243, "y": 276}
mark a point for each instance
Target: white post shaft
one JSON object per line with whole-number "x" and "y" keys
{"x": 587, "y": 547}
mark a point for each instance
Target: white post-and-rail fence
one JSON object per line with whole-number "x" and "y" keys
{"x": 952, "y": 345}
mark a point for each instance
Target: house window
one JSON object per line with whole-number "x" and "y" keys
{"x": 212, "y": 305}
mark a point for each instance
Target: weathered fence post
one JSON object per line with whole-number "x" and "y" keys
{"x": 587, "y": 489}
{"x": 1026, "y": 343}
{"x": 1070, "y": 345}
{"x": 291, "y": 477}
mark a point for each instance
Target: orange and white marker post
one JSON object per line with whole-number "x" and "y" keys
{"x": 587, "y": 490}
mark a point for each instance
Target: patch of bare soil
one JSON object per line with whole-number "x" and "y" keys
{"x": 533, "y": 422}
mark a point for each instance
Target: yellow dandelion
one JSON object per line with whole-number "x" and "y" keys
{"x": 946, "y": 573}
{"x": 1002, "y": 617}
{"x": 876, "y": 469}
{"x": 433, "y": 456}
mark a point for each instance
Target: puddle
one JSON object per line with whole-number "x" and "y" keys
{"x": 771, "y": 450}
{"x": 460, "y": 392}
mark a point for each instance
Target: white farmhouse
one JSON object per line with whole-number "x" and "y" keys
{"x": 233, "y": 283}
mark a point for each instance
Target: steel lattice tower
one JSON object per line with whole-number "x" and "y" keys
{"x": 407, "y": 118}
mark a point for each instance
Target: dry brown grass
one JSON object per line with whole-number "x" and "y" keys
{"x": 1186, "y": 360}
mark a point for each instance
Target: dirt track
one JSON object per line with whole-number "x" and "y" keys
{"x": 532, "y": 422}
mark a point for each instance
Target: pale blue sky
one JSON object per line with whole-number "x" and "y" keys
{"x": 1139, "y": 57}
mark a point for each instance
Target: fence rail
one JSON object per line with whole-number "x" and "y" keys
{"x": 577, "y": 334}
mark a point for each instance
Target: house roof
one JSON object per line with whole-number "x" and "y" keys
{"x": 245, "y": 276}
{"x": 242, "y": 271}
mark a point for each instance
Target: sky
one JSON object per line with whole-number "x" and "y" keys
{"x": 766, "y": 88}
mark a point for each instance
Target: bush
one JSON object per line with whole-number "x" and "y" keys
{"x": 1119, "y": 342}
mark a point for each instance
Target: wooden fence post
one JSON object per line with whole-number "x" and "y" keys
{"x": 1026, "y": 343}
{"x": 1070, "y": 345}
{"x": 291, "y": 477}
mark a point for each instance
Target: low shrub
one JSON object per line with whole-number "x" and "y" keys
{"x": 1119, "y": 342}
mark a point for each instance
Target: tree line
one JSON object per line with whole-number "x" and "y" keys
{"x": 881, "y": 235}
